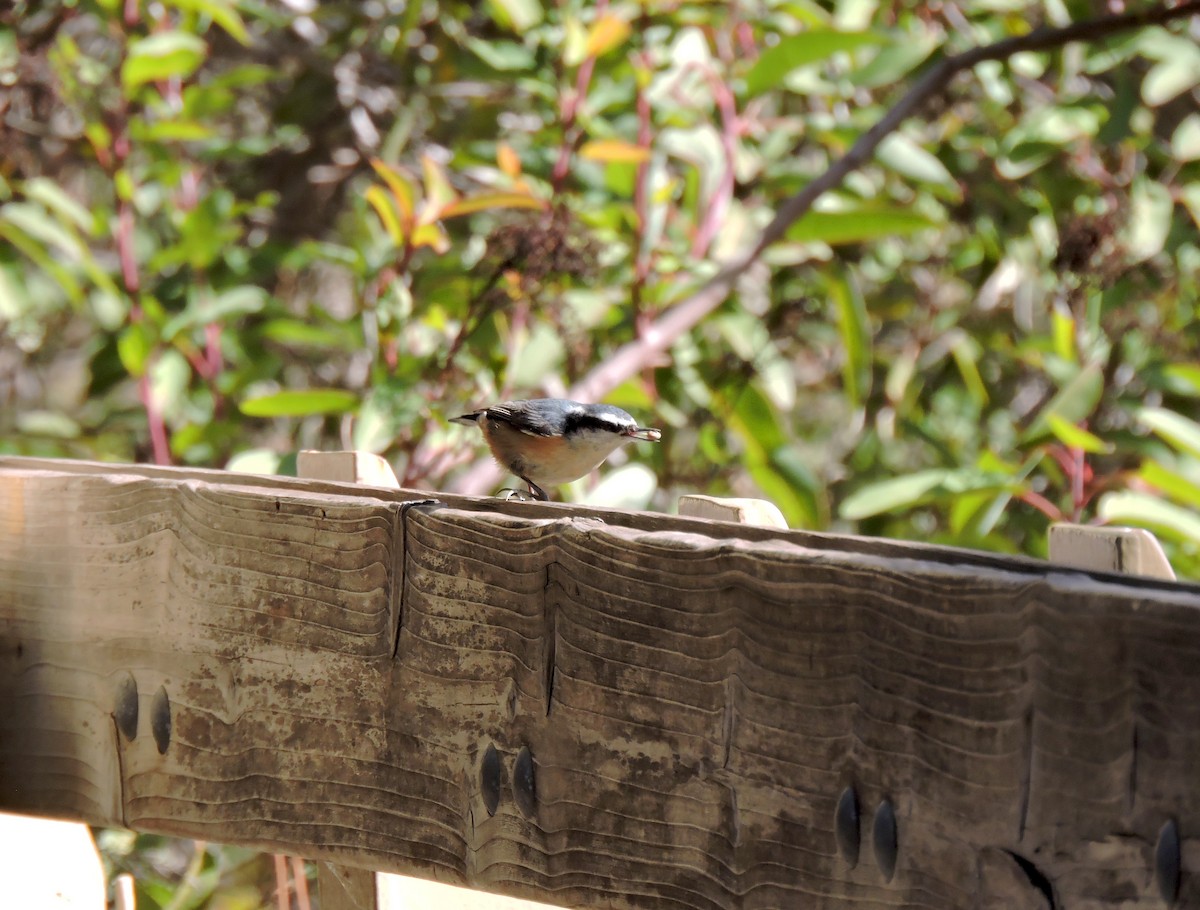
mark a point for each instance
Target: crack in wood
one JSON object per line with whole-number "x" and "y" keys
{"x": 1036, "y": 877}
{"x": 399, "y": 570}
{"x": 1133, "y": 765}
{"x": 729, "y": 721}
{"x": 549, "y": 640}
{"x": 118, "y": 745}
{"x": 1026, "y": 771}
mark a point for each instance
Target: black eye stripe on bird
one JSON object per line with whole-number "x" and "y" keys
{"x": 550, "y": 441}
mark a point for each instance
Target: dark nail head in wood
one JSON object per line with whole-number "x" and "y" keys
{"x": 489, "y": 779}
{"x": 525, "y": 782}
{"x": 885, "y": 839}
{"x": 847, "y": 827}
{"x": 1167, "y": 864}
{"x": 125, "y": 706}
{"x": 160, "y": 720}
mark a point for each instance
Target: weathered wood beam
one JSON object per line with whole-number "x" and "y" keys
{"x": 616, "y": 711}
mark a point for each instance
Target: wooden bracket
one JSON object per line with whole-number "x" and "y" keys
{"x": 1134, "y": 551}
{"x": 741, "y": 511}
{"x": 346, "y": 467}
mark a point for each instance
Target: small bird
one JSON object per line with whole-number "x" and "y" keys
{"x": 548, "y": 441}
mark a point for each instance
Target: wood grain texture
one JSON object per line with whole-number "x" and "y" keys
{"x": 354, "y": 679}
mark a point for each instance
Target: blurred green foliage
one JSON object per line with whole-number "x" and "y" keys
{"x": 235, "y": 228}
{"x": 232, "y": 229}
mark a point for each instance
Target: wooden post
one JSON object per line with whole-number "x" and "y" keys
{"x": 341, "y": 887}
{"x": 345, "y": 887}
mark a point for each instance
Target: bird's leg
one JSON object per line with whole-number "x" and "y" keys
{"x": 508, "y": 494}
{"x": 536, "y": 491}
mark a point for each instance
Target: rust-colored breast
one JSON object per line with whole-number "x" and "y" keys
{"x": 526, "y": 455}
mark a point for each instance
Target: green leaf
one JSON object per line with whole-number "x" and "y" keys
{"x": 1073, "y": 403}
{"x": 755, "y": 420}
{"x": 1183, "y": 378}
{"x": 808, "y": 507}
{"x": 777, "y": 489}
{"x": 855, "y": 333}
{"x": 486, "y": 201}
{"x": 54, "y": 198}
{"x": 1062, "y": 330}
{"x": 893, "y": 494}
{"x": 895, "y": 61}
{"x": 1173, "y": 484}
{"x": 254, "y": 461}
{"x": 384, "y": 207}
{"x": 541, "y": 355}
{"x": 905, "y": 157}
{"x": 1189, "y": 195}
{"x": 222, "y": 12}
{"x": 518, "y": 15}
{"x": 163, "y": 55}
{"x": 300, "y": 403}
{"x": 966, "y": 354}
{"x": 41, "y": 257}
{"x": 296, "y": 333}
{"x": 1077, "y": 437}
{"x": 1150, "y": 211}
{"x": 1177, "y": 69}
{"x": 900, "y": 493}
{"x": 170, "y": 130}
{"x": 1185, "y": 141}
{"x": 803, "y": 49}
{"x": 1179, "y": 431}
{"x": 386, "y": 412}
{"x": 857, "y": 226}
{"x": 208, "y": 308}
{"x": 169, "y": 376}
{"x": 505, "y": 56}
{"x": 35, "y": 222}
{"x": 47, "y": 423}
{"x": 1147, "y": 511}
{"x": 134, "y": 346}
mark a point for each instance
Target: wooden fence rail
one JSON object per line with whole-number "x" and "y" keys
{"x": 595, "y": 708}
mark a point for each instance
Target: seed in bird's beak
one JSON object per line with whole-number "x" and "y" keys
{"x": 647, "y": 434}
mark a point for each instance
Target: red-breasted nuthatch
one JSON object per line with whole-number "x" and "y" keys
{"x": 548, "y": 441}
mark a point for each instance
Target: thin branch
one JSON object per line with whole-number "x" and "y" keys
{"x": 635, "y": 356}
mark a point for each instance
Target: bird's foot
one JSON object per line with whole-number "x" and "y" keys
{"x": 508, "y": 495}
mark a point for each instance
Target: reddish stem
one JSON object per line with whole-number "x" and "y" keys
{"x": 212, "y": 350}
{"x": 154, "y": 418}
{"x": 1042, "y": 504}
